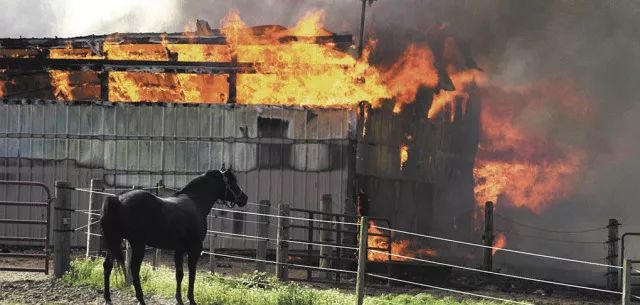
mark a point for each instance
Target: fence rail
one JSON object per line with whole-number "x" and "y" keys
{"x": 333, "y": 231}
{"x": 46, "y": 205}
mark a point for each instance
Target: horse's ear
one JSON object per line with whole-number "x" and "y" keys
{"x": 229, "y": 169}
{"x": 222, "y": 169}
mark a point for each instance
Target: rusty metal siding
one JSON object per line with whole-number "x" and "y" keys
{"x": 139, "y": 144}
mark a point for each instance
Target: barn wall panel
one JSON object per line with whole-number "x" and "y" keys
{"x": 139, "y": 144}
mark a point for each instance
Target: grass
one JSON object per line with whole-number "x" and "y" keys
{"x": 249, "y": 289}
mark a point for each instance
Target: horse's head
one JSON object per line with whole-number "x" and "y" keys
{"x": 232, "y": 192}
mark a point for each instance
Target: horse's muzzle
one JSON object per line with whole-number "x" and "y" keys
{"x": 242, "y": 200}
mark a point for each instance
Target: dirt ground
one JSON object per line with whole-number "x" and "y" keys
{"x": 21, "y": 288}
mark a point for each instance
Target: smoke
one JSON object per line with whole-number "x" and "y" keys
{"x": 591, "y": 45}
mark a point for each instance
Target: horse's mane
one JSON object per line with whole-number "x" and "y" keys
{"x": 196, "y": 185}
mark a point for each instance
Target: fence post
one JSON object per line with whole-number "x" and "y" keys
{"x": 93, "y": 241}
{"x": 487, "y": 237}
{"x": 263, "y": 231}
{"x": 612, "y": 254}
{"x": 62, "y": 229}
{"x": 626, "y": 282}
{"x": 362, "y": 258}
{"x": 325, "y": 234}
{"x": 212, "y": 247}
{"x": 282, "y": 252}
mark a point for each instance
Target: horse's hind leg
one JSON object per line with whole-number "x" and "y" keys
{"x": 137, "y": 255}
{"x": 107, "y": 266}
{"x": 194, "y": 254}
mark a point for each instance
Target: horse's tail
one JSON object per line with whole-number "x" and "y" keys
{"x": 111, "y": 233}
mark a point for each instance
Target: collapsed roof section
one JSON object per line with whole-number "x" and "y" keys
{"x": 198, "y": 66}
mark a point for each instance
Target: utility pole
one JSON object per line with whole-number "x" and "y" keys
{"x": 361, "y": 43}
{"x": 612, "y": 254}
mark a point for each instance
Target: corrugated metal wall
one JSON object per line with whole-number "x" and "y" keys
{"x": 283, "y": 154}
{"x": 433, "y": 192}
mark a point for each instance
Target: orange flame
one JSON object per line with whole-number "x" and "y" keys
{"x": 499, "y": 243}
{"x": 292, "y": 68}
{"x": 516, "y": 158}
{"x": 462, "y": 80}
{"x": 300, "y": 73}
{"x": 60, "y": 81}
{"x": 415, "y": 68}
{"x": 398, "y": 247}
{"x": 404, "y": 155}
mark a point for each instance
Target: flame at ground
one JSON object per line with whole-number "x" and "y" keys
{"x": 398, "y": 247}
{"x": 518, "y": 158}
{"x": 499, "y": 243}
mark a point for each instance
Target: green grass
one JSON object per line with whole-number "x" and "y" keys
{"x": 249, "y": 289}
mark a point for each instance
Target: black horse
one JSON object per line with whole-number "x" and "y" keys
{"x": 176, "y": 223}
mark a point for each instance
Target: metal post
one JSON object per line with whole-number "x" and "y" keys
{"x": 62, "y": 229}
{"x": 263, "y": 231}
{"x": 612, "y": 254}
{"x": 362, "y": 258}
{"x": 93, "y": 241}
{"x": 310, "y": 231}
{"x": 339, "y": 250}
{"x": 282, "y": 252}
{"x": 325, "y": 234}
{"x": 622, "y": 246}
{"x": 488, "y": 237}
{"x": 626, "y": 282}
{"x": 212, "y": 246}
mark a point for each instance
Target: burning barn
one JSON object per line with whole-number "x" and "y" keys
{"x": 295, "y": 112}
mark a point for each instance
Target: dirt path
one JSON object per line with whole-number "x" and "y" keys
{"x": 19, "y": 288}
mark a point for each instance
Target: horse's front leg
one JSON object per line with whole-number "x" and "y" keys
{"x": 194, "y": 254}
{"x": 178, "y": 258}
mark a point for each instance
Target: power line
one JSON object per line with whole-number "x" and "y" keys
{"x": 567, "y": 241}
{"x": 497, "y": 273}
{"x": 496, "y": 248}
{"x": 288, "y": 217}
{"x": 548, "y": 230}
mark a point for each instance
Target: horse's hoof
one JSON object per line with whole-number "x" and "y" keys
{"x": 107, "y": 303}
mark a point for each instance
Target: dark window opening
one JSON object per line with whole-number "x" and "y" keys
{"x": 272, "y": 128}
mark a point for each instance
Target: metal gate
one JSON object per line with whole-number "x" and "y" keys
{"x": 32, "y": 222}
